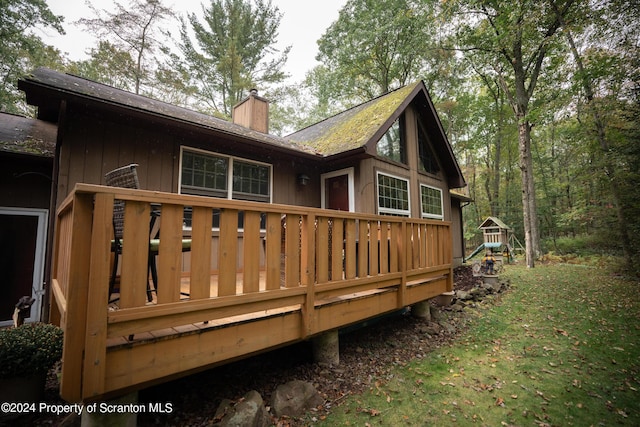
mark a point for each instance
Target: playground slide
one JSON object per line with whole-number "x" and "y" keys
{"x": 475, "y": 252}
{"x": 481, "y": 247}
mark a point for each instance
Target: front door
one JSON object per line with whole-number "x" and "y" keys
{"x": 337, "y": 190}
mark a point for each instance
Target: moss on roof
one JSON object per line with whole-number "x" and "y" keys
{"x": 24, "y": 135}
{"x": 353, "y": 128}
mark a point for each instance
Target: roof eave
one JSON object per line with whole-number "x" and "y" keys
{"x": 53, "y": 95}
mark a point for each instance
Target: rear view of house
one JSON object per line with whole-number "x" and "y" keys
{"x": 289, "y": 237}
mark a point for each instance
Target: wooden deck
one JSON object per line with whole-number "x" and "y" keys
{"x": 285, "y": 275}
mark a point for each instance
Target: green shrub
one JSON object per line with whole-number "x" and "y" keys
{"x": 30, "y": 349}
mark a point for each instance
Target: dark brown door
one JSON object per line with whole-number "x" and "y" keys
{"x": 337, "y": 192}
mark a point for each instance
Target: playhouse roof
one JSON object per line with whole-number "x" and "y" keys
{"x": 492, "y": 222}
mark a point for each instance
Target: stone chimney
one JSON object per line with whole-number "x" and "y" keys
{"x": 252, "y": 112}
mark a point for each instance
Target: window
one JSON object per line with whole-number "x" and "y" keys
{"x": 250, "y": 181}
{"x": 393, "y": 195}
{"x": 431, "y": 202}
{"x": 427, "y": 160}
{"x": 209, "y": 174}
{"x": 392, "y": 145}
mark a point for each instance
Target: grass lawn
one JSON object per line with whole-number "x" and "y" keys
{"x": 560, "y": 348}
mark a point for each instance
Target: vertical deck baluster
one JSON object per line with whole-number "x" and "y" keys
{"x": 374, "y": 247}
{"x": 322, "y": 250}
{"x": 228, "y": 256}
{"x": 170, "y": 253}
{"x": 292, "y": 252}
{"x": 273, "y": 238}
{"x": 337, "y": 242}
{"x": 251, "y": 252}
{"x": 350, "y": 249}
{"x": 363, "y": 248}
{"x": 135, "y": 249}
{"x": 200, "y": 281}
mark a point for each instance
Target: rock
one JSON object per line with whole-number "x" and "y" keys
{"x": 430, "y": 329}
{"x": 248, "y": 412}
{"x": 448, "y": 328}
{"x": 294, "y": 399}
{"x": 457, "y": 307}
{"x": 463, "y": 295}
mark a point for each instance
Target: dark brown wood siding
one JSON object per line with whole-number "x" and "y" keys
{"x": 25, "y": 181}
{"x": 95, "y": 144}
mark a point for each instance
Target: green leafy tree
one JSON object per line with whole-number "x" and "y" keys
{"x": 21, "y": 49}
{"x": 375, "y": 46}
{"x": 606, "y": 65}
{"x": 135, "y": 29}
{"x": 233, "y": 51}
{"x": 109, "y": 65}
{"x": 514, "y": 39}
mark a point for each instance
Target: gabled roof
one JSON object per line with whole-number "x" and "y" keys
{"x": 356, "y": 130}
{"x": 22, "y": 135}
{"x": 360, "y": 128}
{"x": 492, "y": 221}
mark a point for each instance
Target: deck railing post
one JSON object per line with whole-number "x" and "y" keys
{"x": 77, "y": 293}
{"x": 98, "y": 293}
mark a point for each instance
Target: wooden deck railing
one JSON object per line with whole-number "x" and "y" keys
{"x": 265, "y": 275}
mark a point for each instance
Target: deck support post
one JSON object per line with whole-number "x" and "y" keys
{"x": 106, "y": 414}
{"x": 326, "y": 348}
{"x": 422, "y": 310}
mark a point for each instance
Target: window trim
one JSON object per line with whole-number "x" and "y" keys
{"x": 428, "y": 215}
{"x": 229, "y": 190}
{"x": 389, "y": 211}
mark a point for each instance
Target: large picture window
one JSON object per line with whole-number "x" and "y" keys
{"x": 209, "y": 174}
{"x": 431, "y": 202}
{"x": 393, "y": 195}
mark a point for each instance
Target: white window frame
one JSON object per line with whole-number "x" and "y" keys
{"x": 389, "y": 211}
{"x": 37, "y": 285}
{"x": 351, "y": 184}
{"x": 229, "y": 169}
{"x": 428, "y": 214}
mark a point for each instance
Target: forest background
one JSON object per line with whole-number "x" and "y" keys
{"x": 540, "y": 99}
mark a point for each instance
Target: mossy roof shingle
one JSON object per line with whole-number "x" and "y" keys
{"x": 355, "y": 127}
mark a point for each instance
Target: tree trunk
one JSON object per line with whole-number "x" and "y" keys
{"x": 528, "y": 191}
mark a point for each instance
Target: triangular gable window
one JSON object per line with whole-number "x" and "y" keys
{"x": 392, "y": 145}
{"x": 428, "y": 162}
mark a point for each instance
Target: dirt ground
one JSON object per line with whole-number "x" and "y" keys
{"x": 366, "y": 354}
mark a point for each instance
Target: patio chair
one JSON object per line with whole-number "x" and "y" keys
{"x": 127, "y": 177}
{"x": 124, "y": 177}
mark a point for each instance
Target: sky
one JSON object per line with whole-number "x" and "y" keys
{"x": 302, "y": 24}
